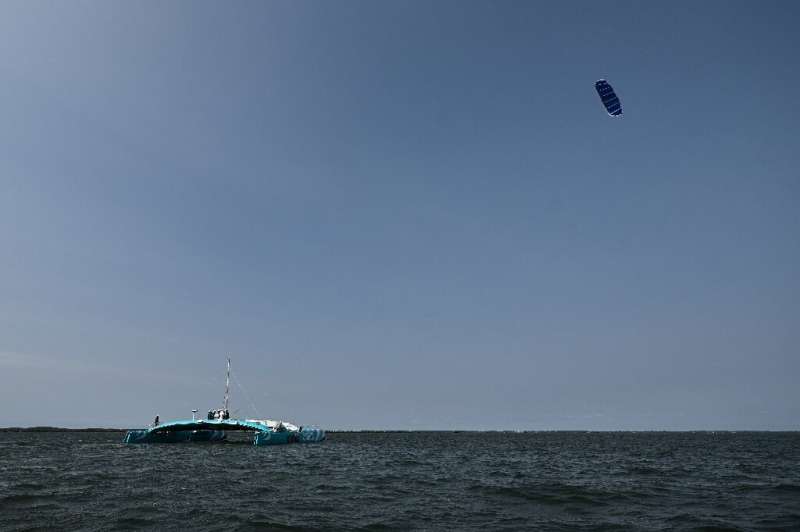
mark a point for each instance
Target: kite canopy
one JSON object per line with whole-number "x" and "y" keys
{"x": 609, "y": 98}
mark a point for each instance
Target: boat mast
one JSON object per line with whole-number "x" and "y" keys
{"x": 227, "y": 385}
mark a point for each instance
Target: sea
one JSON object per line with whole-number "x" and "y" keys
{"x": 405, "y": 481}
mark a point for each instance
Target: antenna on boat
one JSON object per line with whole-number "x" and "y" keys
{"x": 227, "y": 385}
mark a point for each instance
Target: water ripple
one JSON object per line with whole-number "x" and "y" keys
{"x": 402, "y": 481}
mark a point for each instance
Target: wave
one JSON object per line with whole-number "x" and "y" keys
{"x": 553, "y": 494}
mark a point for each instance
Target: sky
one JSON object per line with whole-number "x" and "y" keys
{"x": 401, "y": 215}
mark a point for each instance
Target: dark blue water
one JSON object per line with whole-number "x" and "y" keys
{"x": 445, "y": 481}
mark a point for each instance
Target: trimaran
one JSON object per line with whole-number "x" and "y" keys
{"x": 218, "y": 423}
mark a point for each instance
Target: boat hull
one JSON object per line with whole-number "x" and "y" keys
{"x": 305, "y": 435}
{"x": 178, "y": 436}
{"x": 214, "y": 431}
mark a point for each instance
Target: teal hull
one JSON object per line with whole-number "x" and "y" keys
{"x": 178, "y": 436}
{"x": 214, "y": 430}
{"x": 306, "y": 435}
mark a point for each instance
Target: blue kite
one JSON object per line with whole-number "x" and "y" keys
{"x": 609, "y": 98}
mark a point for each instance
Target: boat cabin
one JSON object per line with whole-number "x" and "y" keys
{"x": 219, "y": 413}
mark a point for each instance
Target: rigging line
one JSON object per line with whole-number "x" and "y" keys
{"x": 252, "y": 404}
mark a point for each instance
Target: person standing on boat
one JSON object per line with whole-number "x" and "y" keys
{"x": 155, "y": 423}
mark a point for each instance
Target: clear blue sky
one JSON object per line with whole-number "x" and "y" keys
{"x": 401, "y": 214}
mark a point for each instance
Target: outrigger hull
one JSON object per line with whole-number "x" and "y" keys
{"x": 178, "y": 436}
{"x": 304, "y": 435}
{"x": 213, "y": 430}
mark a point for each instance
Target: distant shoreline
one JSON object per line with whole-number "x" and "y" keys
{"x": 58, "y": 429}
{"x": 404, "y": 431}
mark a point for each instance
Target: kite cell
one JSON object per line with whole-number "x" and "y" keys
{"x": 610, "y": 99}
